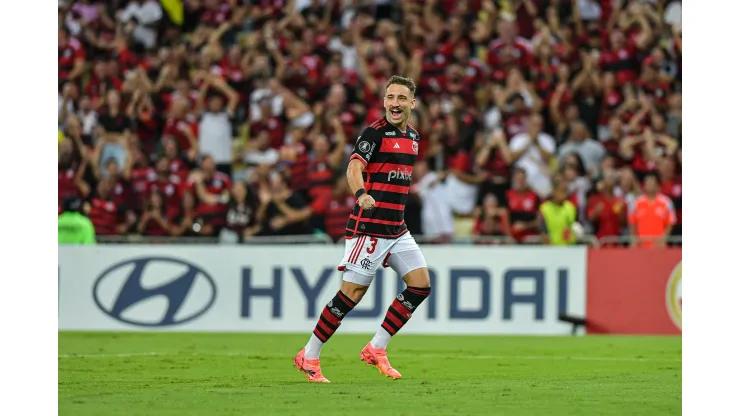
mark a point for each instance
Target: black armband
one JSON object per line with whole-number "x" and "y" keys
{"x": 360, "y": 192}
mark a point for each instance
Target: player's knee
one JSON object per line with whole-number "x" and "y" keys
{"x": 354, "y": 291}
{"x": 418, "y": 278}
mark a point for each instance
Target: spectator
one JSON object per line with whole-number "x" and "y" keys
{"x": 537, "y": 78}
{"x": 280, "y": 213}
{"x": 112, "y": 119}
{"x": 653, "y": 217}
{"x": 462, "y": 182}
{"x": 611, "y": 137}
{"x": 181, "y": 125}
{"x": 557, "y": 216}
{"x": 628, "y": 187}
{"x": 437, "y": 220}
{"x": 580, "y": 142}
{"x": 325, "y": 161}
{"x": 258, "y": 155}
{"x": 187, "y": 222}
{"x": 154, "y": 220}
{"x": 532, "y": 151}
{"x": 71, "y": 58}
{"x": 166, "y": 183}
{"x": 673, "y": 122}
{"x": 121, "y": 192}
{"x": 107, "y": 217}
{"x": 575, "y": 175}
{"x": 88, "y": 118}
{"x": 241, "y": 217}
{"x": 75, "y": 228}
{"x": 331, "y": 209}
{"x": 215, "y": 129}
{"x": 139, "y": 17}
{"x": 71, "y": 168}
{"x": 178, "y": 166}
{"x": 491, "y": 219}
{"x": 211, "y": 188}
{"x": 148, "y": 126}
{"x": 644, "y": 150}
{"x": 494, "y": 159}
{"x": 606, "y": 211}
{"x": 523, "y": 205}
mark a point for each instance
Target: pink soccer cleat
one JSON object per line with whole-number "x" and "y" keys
{"x": 379, "y": 358}
{"x": 311, "y": 368}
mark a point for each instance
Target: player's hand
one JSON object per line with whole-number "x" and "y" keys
{"x": 366, "y": 202}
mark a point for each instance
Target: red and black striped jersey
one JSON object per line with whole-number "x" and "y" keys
{"x": 389, "y": 156}
{"x": 320, "y": 178}
{"x": 105, "y": 216}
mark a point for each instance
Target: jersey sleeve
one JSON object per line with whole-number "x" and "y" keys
{"x": 366, "y": 145}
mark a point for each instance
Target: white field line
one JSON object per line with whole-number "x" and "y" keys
{"x": 448, "y": 356}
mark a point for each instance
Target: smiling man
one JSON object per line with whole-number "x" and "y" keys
{"x": 379, "y": 174}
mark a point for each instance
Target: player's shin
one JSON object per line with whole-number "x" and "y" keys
{"x": 329, "y": 321}
{"x": 399, "y": 313}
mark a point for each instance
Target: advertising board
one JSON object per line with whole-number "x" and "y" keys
{"x": 475, "y": 290}
{"x": 634, "y": 291}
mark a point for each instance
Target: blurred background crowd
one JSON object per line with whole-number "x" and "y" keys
{"x": 235, "y": 118}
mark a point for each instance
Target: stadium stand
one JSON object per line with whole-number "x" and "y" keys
{"x": 205, "y": 119}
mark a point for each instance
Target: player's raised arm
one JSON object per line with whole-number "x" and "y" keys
{"x": 366, "y": 145}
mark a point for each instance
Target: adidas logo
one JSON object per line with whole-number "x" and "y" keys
{"x": 396, "y": 146}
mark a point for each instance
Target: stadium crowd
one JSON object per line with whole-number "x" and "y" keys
{"x": 237, "y": 117}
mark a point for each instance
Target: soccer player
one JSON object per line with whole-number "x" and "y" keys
{"x": 379, "y": 174}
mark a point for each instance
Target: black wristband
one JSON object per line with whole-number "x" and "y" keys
{"x": 360, "y": 192}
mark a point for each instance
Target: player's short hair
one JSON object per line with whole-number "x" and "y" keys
{"x": 399, "y": 80}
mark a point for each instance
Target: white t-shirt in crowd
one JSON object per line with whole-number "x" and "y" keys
{"x": 302, "y": 4}
{"x": 276, "y": 102}
{"x": 215, "y": 136}
{"x": 146, "y": 14}
{"x": 349, "y": 53}
{"x": 538, "y": 172}
{"x": 590, "y": 9}
{"x": 590, "y": 151}
{"x": 672, "y": 14}
{"x": 60, "y": 104}
{"x": 89, "y": 121}
{"x": 461, "y": 196}
{"x": 436, "y": 213}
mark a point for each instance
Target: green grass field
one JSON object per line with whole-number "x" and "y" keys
{"x": 252, "y": 374}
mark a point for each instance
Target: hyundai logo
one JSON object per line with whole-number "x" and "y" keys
{"x": 154, "y": 292}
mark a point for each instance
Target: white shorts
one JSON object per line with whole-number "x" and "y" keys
{"x": 364, "y": 254}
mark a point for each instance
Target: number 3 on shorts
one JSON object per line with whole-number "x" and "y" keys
{"x": 373, "y": 243}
